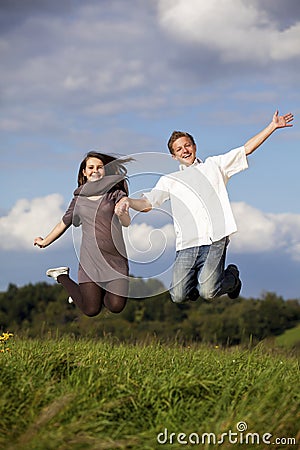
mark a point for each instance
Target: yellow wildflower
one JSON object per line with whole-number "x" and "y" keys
{"x": 3, "y": 339}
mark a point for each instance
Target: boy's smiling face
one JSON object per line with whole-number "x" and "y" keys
{"x": 184, "y": 151}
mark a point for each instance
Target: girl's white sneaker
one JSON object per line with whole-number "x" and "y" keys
{"x": 54, "y": 273}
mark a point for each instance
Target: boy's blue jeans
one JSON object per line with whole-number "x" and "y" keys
{"x": 200, "y": 271}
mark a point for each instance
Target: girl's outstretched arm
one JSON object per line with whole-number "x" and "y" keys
{"x": 54, "y": 234}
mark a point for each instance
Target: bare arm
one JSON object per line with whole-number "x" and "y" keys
{"x": 54, "y": 234}
{"x": 124, "y": 218}
{"x": 277, "y": 122}
{"x": 140, "y": 204}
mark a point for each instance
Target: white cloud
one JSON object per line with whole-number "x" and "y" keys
{"x": 286, "y": 44}
{"x": 237, "y": 30}
{"x": 260, "y": 232}
{"x": 90, "y": 55}
{"x": 145, "y": 243}
{"x": 107, "y": 59}
{"x": 29, "y": 219}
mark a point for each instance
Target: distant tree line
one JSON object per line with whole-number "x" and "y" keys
{"x": 41, "y": 309}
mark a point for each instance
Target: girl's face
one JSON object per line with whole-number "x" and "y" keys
{"x": 94, "y": 169}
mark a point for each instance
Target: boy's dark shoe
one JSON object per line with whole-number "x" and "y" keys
{"x": 235, "y": 272}
{"x": 193, "y": 295}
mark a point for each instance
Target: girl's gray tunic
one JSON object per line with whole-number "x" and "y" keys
{"x": 102, "y": 253}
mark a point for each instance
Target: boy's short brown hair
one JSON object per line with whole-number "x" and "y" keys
{"x": 176, "y": 135}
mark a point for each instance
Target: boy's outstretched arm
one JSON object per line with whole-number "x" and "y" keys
{"x": 277, "y": 122}
{"x": 138, "y": 204}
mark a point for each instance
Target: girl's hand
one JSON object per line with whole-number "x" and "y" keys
{"x": 39, "y": 241}
{"x": 121, "y": 210}
{"x": 122, "y": 207}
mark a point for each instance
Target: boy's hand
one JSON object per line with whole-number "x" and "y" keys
{"x": 282, "y": 121}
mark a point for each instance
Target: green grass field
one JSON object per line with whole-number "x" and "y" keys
{"x": 62, "y": 393}
{"x": 290, "y": 338}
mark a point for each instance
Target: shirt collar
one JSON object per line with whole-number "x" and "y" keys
{"x": 195, "y": 163}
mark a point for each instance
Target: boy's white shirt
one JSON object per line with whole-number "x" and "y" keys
{"x": 199, "y": 200}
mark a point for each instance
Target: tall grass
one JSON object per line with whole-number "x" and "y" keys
{"x": 66, "y": 394}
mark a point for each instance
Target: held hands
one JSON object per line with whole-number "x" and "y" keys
{"x": 282, "y": 121}
{"x": 122, "y": 211}
{"x": 122, "y": 207}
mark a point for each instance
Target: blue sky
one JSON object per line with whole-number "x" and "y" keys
{"x": 119, "y": 77}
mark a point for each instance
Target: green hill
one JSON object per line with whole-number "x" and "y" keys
{"x": 290, "y": 338}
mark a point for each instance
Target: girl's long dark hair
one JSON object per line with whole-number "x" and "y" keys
{"x": 113, "y": 166}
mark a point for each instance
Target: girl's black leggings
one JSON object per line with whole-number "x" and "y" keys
{"x": 90, "y": 297}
